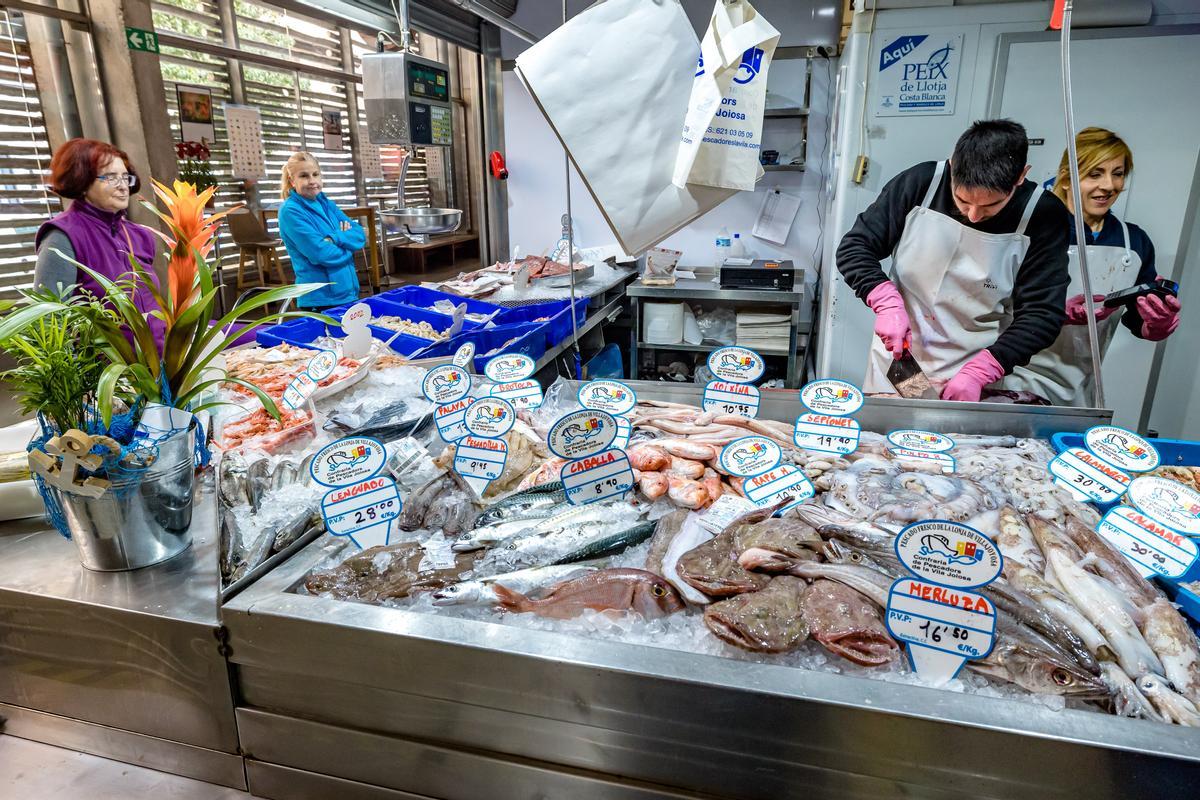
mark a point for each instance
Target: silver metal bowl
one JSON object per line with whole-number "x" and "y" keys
{"x": 421, "y": 221}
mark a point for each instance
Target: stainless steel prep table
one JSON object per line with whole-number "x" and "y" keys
{"x": 127, "y": 665}
{"x": 381, "y": 702}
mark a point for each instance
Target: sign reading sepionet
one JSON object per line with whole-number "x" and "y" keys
{"x": 361, "y": 503}
{"x": 828, "y": 426}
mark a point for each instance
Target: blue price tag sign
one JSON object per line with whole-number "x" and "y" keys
{"x": 480, "y": 460}
{"x": 624, "y": 431}
{"x": 596, "y": 478}
{"x": 943, "y": 627}
{"x": 451, "y": 420}
{"x": 827, "y": 433}
{"x": 363, "y": 511}
{"x": 522, "y": 394}
{"x": 1153, "y": 548}
{"x": 1088, "y": 477}
{"x": 785, "y": 482}
{"x": 725, "y": 397}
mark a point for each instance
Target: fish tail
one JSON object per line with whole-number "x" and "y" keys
{"x": 511, "y": 600}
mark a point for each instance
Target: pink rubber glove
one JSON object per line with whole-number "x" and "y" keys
{"x": 1160, "y": 316}
{"x": 968, "y": 384}
{"x": 891, "y": 320}
{"x": 1077, "y": 310}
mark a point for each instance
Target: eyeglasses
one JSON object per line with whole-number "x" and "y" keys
{"x": 118, "y": 179}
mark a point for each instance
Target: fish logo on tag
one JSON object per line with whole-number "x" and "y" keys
{"x": 926, "y": 441}
{"x": 348, "y": 461}
{"x": 446, "y": 383}
{"x": 736, "y": 364}
{"x": 751, "y": 65}
{"x": 1122, "y": 448}
{"x": 510, "y": 367}
{"x": 490, "y": 416}
{"x": 321, "y": 365}
{"x": 749, "y": 456}
{"x": 464, "y": 354}
{"x": 582, "y": 433}
{"x": 1171, "y": 504}
{"x": 832, "y": 397}
{"x": 949, "y": 553}
{"x": 612, "y": 396}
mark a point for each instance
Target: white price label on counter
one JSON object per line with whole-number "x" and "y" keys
{"x": 522, "y": 394}
{"x": 942, "y": 627}
{"x": 582, "y": 433}
{"x": 480, "y": 460}
{"x": 784, "y": 483}
{"x": 827, "y": 433}
{"x": 451, "y": 420}
{"x": 736, "y": 364}
{"x": 1172, "y": 504}
{"x": 1088, "y": 477}
{"x": 724, "y": 510}
{"x": 363, "y": 511}
{"x": 490, "y": 416}
{"x": 925, "y": 441}
{"x": 1154, "y": 549}
{"x": 731, "y": 398}
{"x": 298, "y": 391}
{"x": 949, "y": 553}
{"x": 624, "y": 431}
{"x": 1121, "y": 448}
{"x": 837, "y": 398}
{"x": 596, "y": 478}
{"x": 943, "y": 460}
{"x": 446, "y": 383}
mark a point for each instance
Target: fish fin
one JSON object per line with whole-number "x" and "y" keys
{"x": 511, "y": 600}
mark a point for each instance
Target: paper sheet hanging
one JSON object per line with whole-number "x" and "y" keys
{"x": 776, "y": 216}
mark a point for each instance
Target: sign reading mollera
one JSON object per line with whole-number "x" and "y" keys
{"x": 731, "y": 398}
{"x": 582, "y": 433}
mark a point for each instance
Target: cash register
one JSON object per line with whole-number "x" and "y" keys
{"x": 759, "y": 273}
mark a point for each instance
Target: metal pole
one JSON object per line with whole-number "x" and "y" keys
{"x": 571, "y": 244}
{"x": 1077, "y": 201}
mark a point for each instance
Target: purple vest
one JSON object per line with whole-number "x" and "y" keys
{"x": 99, "y": 240}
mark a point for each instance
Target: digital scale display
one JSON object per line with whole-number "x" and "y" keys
{"x": 428, "y": 82}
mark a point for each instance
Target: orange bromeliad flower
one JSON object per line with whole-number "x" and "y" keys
{"x": 194, "y": 235}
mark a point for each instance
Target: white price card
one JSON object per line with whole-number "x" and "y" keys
{"x": 624, "y": 431}
{"x": 595, "y": 478}
{"x": 1088, "y": 477}
{"x": 731, "y": 398}
{"x": 509, "y": 367}
{"x": 490, "y": 416}
{"x": 612, "y": 396}
{"x": 347, "y": 461}
{"x": 1172, "y": 504}
{"x": 480, "y": 460}
{"x": 829, "y": 396}
{"x": 1154, "y": 549}
{"x": 522, "y": 394}
{"x": 736, "y": 364}
{"x": 942, "y": 627}
{"x": 786, "y": 483}
{"x": 925, "y": 441}
{"x": 750, "y": 456}
{"x": 943, "y": 460}
{"x": 451, "y": 420}
{"x": 465, "y": 354}
{"x": 724, "y": 510}
{"x": 1122, "y": 448}
{"x": 582, "y": 433}
{"x": 303, "y": 386}
{"x": 949, "y": 553}
{"x": 827, "y": 433}
{"x": 363, "y": 511}
{"x": 446, "y": 383}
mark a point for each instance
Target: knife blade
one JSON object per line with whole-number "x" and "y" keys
{"x": 909, "y": 379}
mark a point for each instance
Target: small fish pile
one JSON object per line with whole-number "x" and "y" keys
{"x": 442, "y": 504}
{"x": 526, "y": 454}
{"x": 422, "y": 329}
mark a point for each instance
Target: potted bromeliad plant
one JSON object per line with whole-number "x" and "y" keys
{"x": 119, "y": 440}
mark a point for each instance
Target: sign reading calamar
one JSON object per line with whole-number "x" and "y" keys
{"x": 138, "y": 39}
{"x": 917, "y": 75}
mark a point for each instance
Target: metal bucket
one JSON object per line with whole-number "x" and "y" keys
{"x": 140, "y": 521}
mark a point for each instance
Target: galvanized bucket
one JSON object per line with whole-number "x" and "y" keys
{"x": 139, "y": 521}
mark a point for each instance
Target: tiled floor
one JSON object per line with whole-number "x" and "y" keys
{"x": 35, "y": 771}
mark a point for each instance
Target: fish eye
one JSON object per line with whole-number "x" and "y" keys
{"x": 658, "y": 591}
{"x": 1062, "y": 677}
{"x": 856, "y": 557}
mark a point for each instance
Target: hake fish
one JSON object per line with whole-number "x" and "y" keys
{"x": 481, "y": 591}
{"x": 766, "y": 621}
{"x": 603, "y": 590}
{"x": 847, "y": 624}
{"x": 1025, "y": 659}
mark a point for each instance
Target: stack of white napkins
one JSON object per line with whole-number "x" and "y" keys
{"x": 760, "y": 331}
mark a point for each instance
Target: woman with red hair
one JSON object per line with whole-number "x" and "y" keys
{"x": 96, "y": 231}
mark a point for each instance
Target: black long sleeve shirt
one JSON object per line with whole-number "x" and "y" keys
{"x": 1040, "y": 289}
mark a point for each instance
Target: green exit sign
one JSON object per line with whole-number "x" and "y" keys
{"x": 138, "y": 39}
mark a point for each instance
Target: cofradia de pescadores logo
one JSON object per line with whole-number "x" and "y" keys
{"x": 748, "y": 69}
{"x": 487, "y": 413}
{"x": 747, "y": 453}
{"x": 448, "y": 380}
{"x": 612, "y": 394}
{"x": 582, "y": 431}
{"x": 960, "y": 552}
{"x": 348, "y": 458}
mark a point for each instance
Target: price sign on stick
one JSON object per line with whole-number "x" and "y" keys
{"x": 595, "y": 478}
{"x": 362, "y": 503}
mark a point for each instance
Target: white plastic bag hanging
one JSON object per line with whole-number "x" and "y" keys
{"x": 722, "y": 134}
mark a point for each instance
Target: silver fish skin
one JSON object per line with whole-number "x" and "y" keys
{"x": 1176, "y": 646}
{"x": 1038, "y": 669}
{"x": 1128, "y": 700}
{"x": 480, "y": 591}
{"x": 233, "y": 481}
{"x": 1058, "y": 604}
{"x": 554, "y": 537}
{"x": 864, "y": 580}
{"x": 1173, "y": 706}
{"x": 521, "y": 504}
{"x": 490, "y": 535}
{"x": 1037, "y": 618}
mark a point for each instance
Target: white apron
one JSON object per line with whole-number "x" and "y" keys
{"x": 957, "y": 287}
{"x": 1062, "y": 373}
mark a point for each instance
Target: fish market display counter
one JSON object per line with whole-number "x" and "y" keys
{"x": 355, "y": 700}
{"x": 127, "y": 665}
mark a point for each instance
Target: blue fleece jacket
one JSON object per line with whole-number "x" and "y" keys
{"x": 321, "y": 251}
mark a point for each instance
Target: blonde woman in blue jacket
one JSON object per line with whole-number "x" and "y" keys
{"x": 320, "y": 239}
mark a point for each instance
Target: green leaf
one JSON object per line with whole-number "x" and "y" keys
{"x": 16, "y": 321}
{"x": 263, "y": 397}
{"x": 106, "y": 388}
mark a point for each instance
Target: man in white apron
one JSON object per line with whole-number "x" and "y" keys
{"x": 979, "y": 265}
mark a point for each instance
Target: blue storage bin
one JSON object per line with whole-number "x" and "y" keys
{"x": 304, "y": 331}
{"x": 383, "y": 307}
{"x": 558, "y": 326}
{"x": 530, "y": 341}
{"x": 420, "y": 297}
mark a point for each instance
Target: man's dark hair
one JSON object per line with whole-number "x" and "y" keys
{"x": 990, "y": 155}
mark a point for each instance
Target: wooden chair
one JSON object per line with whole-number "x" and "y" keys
{"x": 253, "y": 242}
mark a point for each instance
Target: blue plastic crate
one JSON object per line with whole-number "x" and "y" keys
{"x": 1188, "y": 601}
{"x": 530, "y": 341}
{"x": 420, "y": 297}
{"x": 558, "y": 324}
{"x": 304, "y": 331}
{"x": 383, "y": 307}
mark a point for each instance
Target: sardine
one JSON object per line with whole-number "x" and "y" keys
{"x": 767, "y": 621}
{"x": 1175, "y": 645}
{"x": 232, "y": 480}
{"x": 1172, "y": 706}
{"x": 480, "y": 591}
{"x": 603, "y": 590}
{"x": 610, "y": 545}
{"x": 847, "y": 624}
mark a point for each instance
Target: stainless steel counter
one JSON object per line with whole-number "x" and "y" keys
{"x": 382, "y": 702}
{"x": 128, "y": 665}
